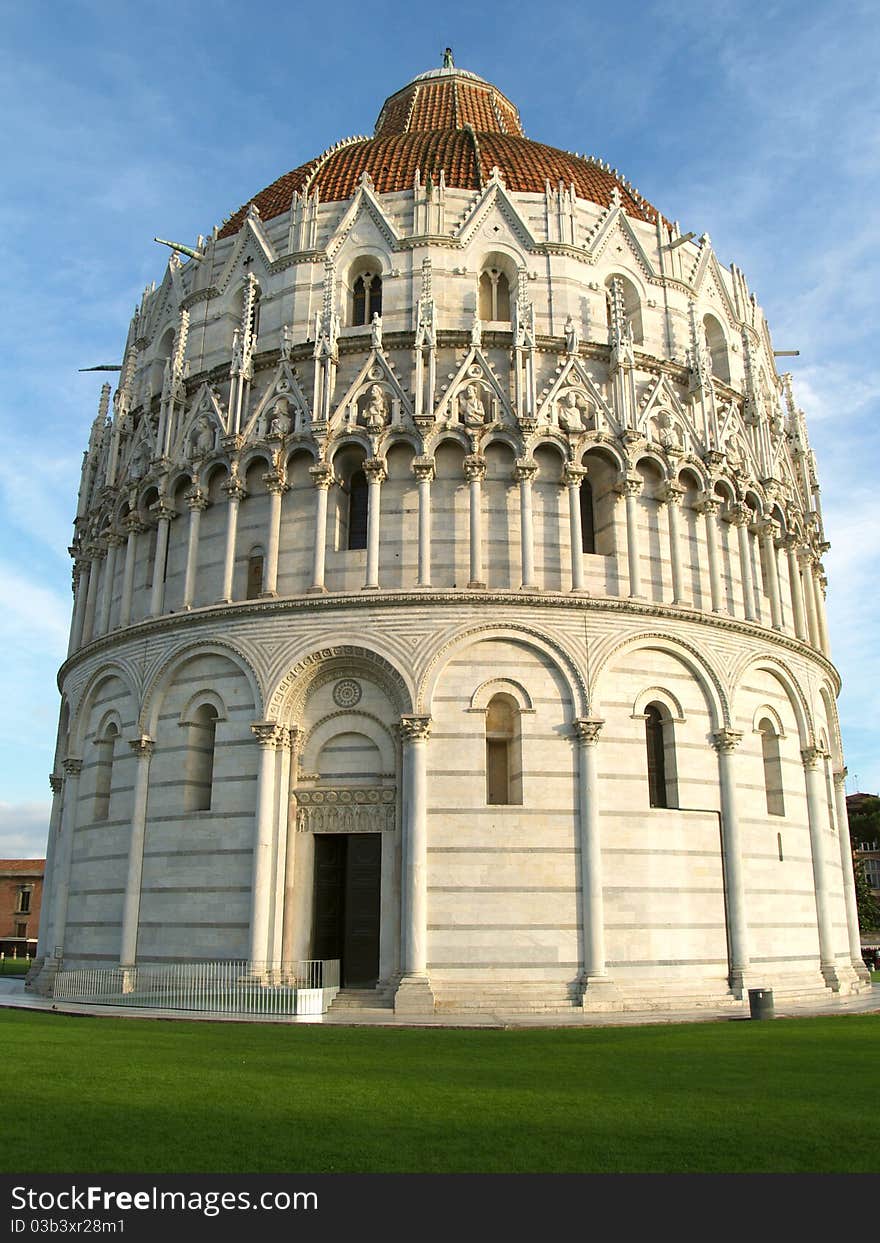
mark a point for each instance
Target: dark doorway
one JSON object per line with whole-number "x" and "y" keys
{"x": 348, "y": 870}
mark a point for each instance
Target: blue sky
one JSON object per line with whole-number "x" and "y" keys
{"x": 758, "y": 123}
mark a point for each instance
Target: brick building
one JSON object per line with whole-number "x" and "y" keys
{"x": 21, "y": 890}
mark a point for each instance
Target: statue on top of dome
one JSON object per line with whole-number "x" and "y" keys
{"x": 448, "y": 62}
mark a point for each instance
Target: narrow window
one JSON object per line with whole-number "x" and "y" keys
{"x": 254, "y": 574}
{"x": 200, "y": 759}
{"x": 104, "y": 748}
{"x": 779, "y": 845}
{"x": 588, "y": 521}
{"x": 358, "y": 496}
{"x": 772, "y": 768}
{"x": 503, "y": 752}
{"x": 366, "y": 299}
{"x": 24, "y": 902}
{"x": 494, "y": 300}
{"x": 657, "y": 791}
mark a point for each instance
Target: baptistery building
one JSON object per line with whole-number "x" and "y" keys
{"x": 449, "y": 600}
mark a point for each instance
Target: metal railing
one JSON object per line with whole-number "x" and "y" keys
{"x": 231, "y": 987}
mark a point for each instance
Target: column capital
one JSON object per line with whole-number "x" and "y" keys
{"x": 587, "y": 729}
{"x": 740, "y": 514}
{"x": 768, "y": 528}
{"x": 163, "y": 510}
{"x": 196, "y": 499}
{"x": 474, "y": 468}
{"x": 72, "y": 767}
{"x": 374, "y": 469}
{"x": 275, "y": 482}
{"x": 142, "y": 747}
{"x": 671, "y": 493}
{"x": 812, "y": 757}
{"x": 267, "y": 734}
{"x": 132, "y": 523}
{"x": 806, "y": 559}
{"x": 572, "y": 475}
{"x": 629, "y": 485}
{"x": 322, "y": 474}
{"x": 423, "y": 468}
{"x": 840, "y": 776}
{"x": 789, "y": 542}
{"x": 55, "y": 782}
{"x": 708, "y": 504}
{"x": 524, "y": 468}
{"x": 725, "y": 741}
{"x": 415, "y": 728}
{"x": 234, "y": 489}
{"x": 113, "y": 539}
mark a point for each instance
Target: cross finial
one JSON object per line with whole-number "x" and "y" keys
{"x": 448, "y": 62}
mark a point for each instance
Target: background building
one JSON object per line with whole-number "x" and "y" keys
{"x": 21, "y": 892}
{"x": 449, "y": 599}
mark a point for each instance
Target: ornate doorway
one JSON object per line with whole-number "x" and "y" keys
{"x": 347, "y": 904}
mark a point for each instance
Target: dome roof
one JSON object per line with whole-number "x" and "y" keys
{"x": 451, "y": 121}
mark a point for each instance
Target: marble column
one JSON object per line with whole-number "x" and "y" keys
{"x": 44, "y": 942}
{"x": 805, "y": 558}
{"x": 709, "y": 507}
{"x": 423, "y": 469}
{"x": 769, "y": 532}
{"x": 197, "y": 503}
{"x": 524, "y": 473}
{"x": 849, "y": 882}
{"x": 276, "y": 487}
{"x": 741, "y": 517}
{"x": 72, "y": 770}
{"x": 322, "y": 477}
{"x": 279, "y": 847}
{"x": 296, "y": 877}
{"x": 113, "y": 544}
{"x": 235, "y": 493}
{"x": 374, "y": 469}
{"x": 821, "y": 617}
{"x": 142, "y": 749}
{"x": 414, "y": 991}
{"x": 725, "y": 742}
{"x": 794, "y": 579}
{"x": 88, "y": 628}
{"x": 671, "y": 496}
{"x": 630, "y": 489}
{"x": 267, "y": 735}
{"x": 586, "y": 731}
{"x": 475, "y": 472}
{"x": 165, "y": 514}
{"x": 817, "y": 814}
{"x": 133, "y": 527}
{"x": 80, "y": 591}
{"x": 571, "y": 477}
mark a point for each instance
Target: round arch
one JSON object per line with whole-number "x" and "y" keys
{"x": 786, "y": 679}
{"x": 155, "y": 692}
{"x": 708, "y": 678}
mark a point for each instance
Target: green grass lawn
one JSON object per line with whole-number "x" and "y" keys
{"x": 123, "y": 1095}
{"x": 15, "y": 966}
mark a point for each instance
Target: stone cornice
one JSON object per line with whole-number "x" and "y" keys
{"x": 470, "y": 599}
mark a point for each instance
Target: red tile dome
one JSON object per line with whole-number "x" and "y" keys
{"x": 451, "y": 121}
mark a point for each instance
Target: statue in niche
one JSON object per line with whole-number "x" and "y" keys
{"x": 280, "y": 421}
{"x": 376, "y": 413}
{"x": 736, "y": 457}
{"x": 139, "y": 459}
{"x": 202, "y": 441}
{"x": 471, "y": 408}
{"x": 574, "y": 412}
{"x": 376, "y": 331}
{"x": 668, "y": 434}
{"x": 572, "y": 336}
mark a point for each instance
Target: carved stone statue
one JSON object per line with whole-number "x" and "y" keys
{"x": 574, "y": 412}
{"x": 376, "y": 331}
{"x": 476, "y": 332}
{"x": 376, "y": 413}
{"x": 280, "y": 421}
{"x": 572, "y": 336}
{"x": 668, "y": 435}
{"x": 471, "y": 408}
{"x": 203, "y": 440}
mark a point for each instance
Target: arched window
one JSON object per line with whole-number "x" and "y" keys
{"x": 716, "y": 347}
{"x": 494, "y": 303}
{"x": 199, "y": 777}
{"x": 660, "y": 746}
{"x": 104, "y": 748}
{"x": 254, "y": 574}
{"x": 366, "y": 298}
{"x": 358, "y": 497}
{"x": 588, "y": 521}
{"x": 503, "y": 752}
{"x": 772, "y": 768}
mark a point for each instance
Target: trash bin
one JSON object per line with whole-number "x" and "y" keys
{"x": 761, "y": 1003}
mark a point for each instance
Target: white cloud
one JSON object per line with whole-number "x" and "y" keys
{"x": 24, "y": 829}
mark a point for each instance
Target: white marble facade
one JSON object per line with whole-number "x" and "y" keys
{"x": 328, "y": 575}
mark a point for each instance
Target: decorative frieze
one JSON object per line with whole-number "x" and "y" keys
{"x": 347, "y": 809}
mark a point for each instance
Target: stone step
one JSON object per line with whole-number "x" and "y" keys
{"x": 362, "y": 999}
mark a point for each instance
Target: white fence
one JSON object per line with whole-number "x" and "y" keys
{"x": 247, "y": 988}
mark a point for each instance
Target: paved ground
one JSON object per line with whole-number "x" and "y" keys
{"x": 13, "y": 995}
